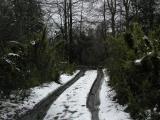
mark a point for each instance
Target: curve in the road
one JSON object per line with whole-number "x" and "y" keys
{"x": 93, "y": 100}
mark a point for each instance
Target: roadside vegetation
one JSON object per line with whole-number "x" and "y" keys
{"x": 133, "y": 66}
{"x": 28, "y": 57}
{"x": 134, "y": 73}
{"x": 119, "y": 35}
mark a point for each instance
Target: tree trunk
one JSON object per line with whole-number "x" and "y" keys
{"x": 70, "y": 33}
{"x": 65, "y": 21}
{"x": 127, "y": 18}
{"x": 126, "y": 4}
{"x": 113, "y": 24}
{"x": 81, "y": 20}
{"x": 104, "y": 20}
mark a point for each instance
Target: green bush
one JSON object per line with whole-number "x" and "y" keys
{"x": 137, "y": 84}
{"x": 26, "y": 65}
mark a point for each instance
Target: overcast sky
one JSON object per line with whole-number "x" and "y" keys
{"x": 92, "y": 13}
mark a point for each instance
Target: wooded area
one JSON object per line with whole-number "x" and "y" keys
{"x": 41, "y": 39}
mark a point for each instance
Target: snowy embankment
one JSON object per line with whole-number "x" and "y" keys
{"x": 9, "y": 108}
{"x": 71, "y": 105}
{"x": 109, "y": 109}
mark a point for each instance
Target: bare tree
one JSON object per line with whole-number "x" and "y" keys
{"x": 70, "y": 32}
{"x": 127, "y": 4}
{"x": 81, "y": 21}
{"x": 65, "y": 21}
{"x": 104, "y": 17}
{"x": 112, "y": 5}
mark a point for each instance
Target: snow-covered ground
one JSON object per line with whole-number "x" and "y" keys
{"x": 110, "y": 110}
{"x": 71, "y": 105}
{"x": 8, "y": 108}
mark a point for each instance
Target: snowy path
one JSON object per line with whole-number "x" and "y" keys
{"x": 9, "y": 108}
{"x": 109, "y": 110}
{"x": 71, "y": 105}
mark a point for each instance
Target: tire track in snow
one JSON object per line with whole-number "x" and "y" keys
{"x": 93, "y": 100}
{"x": 71, "y": 105}
{"x": 39, "y": 111}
